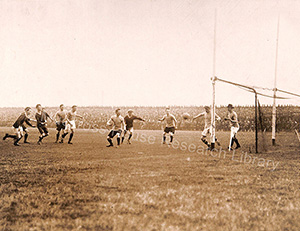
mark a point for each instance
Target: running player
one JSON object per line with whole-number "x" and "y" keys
{"x": 71, "y": 124}
{"x": 18, "y": 127}
{"x": 117, "y": 123}
{"x": 232, "y": 117}
{"x": 207, "y": 127}
{"x": 41, "y": 118}
{"x": 60, "y": 119}
{"x": 129, "y": 124}
{"x": 171, "y": 124}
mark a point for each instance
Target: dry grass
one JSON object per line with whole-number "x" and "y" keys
{"x": 145, "y": 186}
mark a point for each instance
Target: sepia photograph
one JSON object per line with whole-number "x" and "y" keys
{"x": 150, "y": 115}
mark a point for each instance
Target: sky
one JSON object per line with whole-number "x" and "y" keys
{"x": 145, "y": 53}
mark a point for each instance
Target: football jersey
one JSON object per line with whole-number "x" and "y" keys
{"x": 60, "y": 116}
{"x": 41, "y": 118}
{"x": 116, "y": 121}
{"x": 233, "y": 116}
{"x": 71, "y": 115}
{"x": 21, "y": 119}
{"x": 207, "y": 118}
{"x": 129, "y": 120}
{"x": 170, "y": 120}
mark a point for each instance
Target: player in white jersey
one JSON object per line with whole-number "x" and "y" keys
{"x": 232, "y": 117}
{"x": 208, "y": 126}
{"x": 118, "y": 124}
{"x": 71, "y": 124}
{"x": 171, "y": 125}
{"x": 60, "y": 120}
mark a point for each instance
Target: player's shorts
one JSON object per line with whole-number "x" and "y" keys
{"x": 70, "y": 126}
{"x": 206, "y": 131}
{"x": 60, "y": 126}
{"x": 130, "y": 129}
{"x": 18, "y": 131}
{"x": 234, "y": 131}
{"x": 169, "y": 129}
{"x": 42, "y": 129}
{"x": 113, "y": 133}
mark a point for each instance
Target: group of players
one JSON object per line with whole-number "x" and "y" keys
{"x": 118, "y": 125}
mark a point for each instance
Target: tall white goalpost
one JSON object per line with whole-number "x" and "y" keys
{"x": 213, "y": 110}
{"x": 275, "y": 89}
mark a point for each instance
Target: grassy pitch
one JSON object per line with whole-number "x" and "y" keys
{"x": 147, "y": 185}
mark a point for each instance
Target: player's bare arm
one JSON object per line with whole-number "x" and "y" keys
{"x": 198, "y": 116}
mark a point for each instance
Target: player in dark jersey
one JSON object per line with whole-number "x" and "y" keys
{"x": 129, "y": 124}
{"x": 41, "y": 119}
{"x": 18, "y": 126}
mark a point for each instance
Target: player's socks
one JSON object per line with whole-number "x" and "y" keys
{"x": 4, "y": 137}
{"x": 123, "y": 139}
{"x": 237, "y": 143}
{"x": 70, "y": 138}
{"x": 110, "y": 142}
{"x": 64, "y": 135}
{"x": 171, "y": 139}
{"x": 25, "y": 138}
{"x": 40, "y": 139}
{"x": 118, "y": 140}
{"x": 130, "y": 135}
{"x": 57, "y": 136}
{"x": 205, "y": 141}
{"x": 16, "y": 143}
{"x": 9, "y": 136}
{"x": 164, "y": 139}
{"x": 231, "y": 143}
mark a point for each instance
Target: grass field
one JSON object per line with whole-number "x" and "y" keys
{"x": 148, "y": 186}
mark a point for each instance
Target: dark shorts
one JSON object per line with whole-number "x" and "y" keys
{"x": 42, "y": 129}
{"x": 112, "y": 133}
{"x": 60, "y": 126}
{"x": 169, "y": 129}
{"x": 128, "y": 128}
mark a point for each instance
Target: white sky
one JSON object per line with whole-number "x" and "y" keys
{"x": 150, "y": 52}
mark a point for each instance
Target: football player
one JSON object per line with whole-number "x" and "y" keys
{"x": 60, "y": 119}
{"x": 129, "y": 124}
{"x": 170, "y": 127}
{"x": 232, "y": 117}
{"x": 71, "y": 124}
{"x": 18, "y": 127}
{"x": 117, "y": 123}
{"x": 207, "y": 127}
{"x": 41, "y": 118}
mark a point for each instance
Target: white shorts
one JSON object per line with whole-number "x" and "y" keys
{"x": 70, "y": 126}
{"x": 18, "y": 131}
{"x": 234, "y": 131}
{"x": 206, "y": 131}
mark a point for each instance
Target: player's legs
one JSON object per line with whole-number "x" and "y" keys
{"x": 58, "y": 129}
{"x": 110, "y": 136}
{"x": 43, "y": 131}
{"x": 67, "y": 129}
{"x": 26, "y": 134}
{"x": 204, "y": 135}
{"x": 172, "y": 133}
{"x": 71, "y": 136}
{"x": 233, "y": 138}
{"x": 73, "y": 127}
{"x": 164, "y": 137}
{"x": 119, "y": 133}
{"x": 130, "y": 135}
{"x": 123, "y": 137}
{"x": 19, "y": 135}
